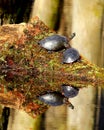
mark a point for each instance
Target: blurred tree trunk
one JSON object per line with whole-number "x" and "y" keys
{"x": 101, "y": 114}
{"x": 65, "y": 27}
{"x": 56, "y": 118}
{"x": 19, "y": 120}
{"x": 86, "y": 22}
{"x": 48, "y": 11}
{"x": 102, "y": 39}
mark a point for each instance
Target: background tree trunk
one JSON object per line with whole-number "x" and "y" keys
{"x": 19, "y": 120}
{"x": 48, "y": 11}
{"x": 87, "y": 23}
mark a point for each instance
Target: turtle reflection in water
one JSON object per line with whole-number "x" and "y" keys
{"x": 55, "y": 99}
{"x": 69, "y": 91}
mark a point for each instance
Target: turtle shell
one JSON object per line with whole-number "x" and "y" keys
{"x": 52, "y": 98}
{"x": 69, "y": 91}
{"x": 54, "y": 43}
{"x": 70, "y": 55}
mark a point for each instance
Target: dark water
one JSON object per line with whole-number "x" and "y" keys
{"x": 101, "y": 113}
{"x": 88, "y": 104}
{"x": 88, "y": 112}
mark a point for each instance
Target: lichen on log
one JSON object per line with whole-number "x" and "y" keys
{"x": 28, "y": 70}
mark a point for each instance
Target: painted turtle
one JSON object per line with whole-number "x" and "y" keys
{"x": 56, "y": 42}
{"x": 69, "y": 91}
{"x": 70, "y": 55}
{"x": 55, "y": 99}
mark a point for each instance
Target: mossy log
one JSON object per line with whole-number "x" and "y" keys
{"x": 28, "y": 70}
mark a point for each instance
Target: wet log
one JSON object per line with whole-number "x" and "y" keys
{"x": 28, "y": 70}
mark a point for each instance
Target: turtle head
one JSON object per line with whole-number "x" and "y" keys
{"x": 66, "y": 43}
{"x": 67, "y": 102}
